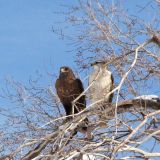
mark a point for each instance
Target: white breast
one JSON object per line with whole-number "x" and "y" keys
{"x": 100, "y": 86}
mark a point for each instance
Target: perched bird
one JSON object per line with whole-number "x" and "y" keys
{"x": 101, "y": 83}
{"x": 68, "y": 89}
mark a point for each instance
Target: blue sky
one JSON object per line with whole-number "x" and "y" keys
{"x": 27, "y": 42}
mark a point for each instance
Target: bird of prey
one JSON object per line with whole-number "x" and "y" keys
{"x": 68, "y": 89}
{"x": 100, "y": 82}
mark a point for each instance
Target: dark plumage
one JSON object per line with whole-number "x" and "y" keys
{"x": 68, "y": 89}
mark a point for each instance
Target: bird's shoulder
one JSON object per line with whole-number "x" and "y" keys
{"x": 100, "y": 75}
{"x": 78, "y": 82}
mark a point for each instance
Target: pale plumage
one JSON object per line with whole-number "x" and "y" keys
{"x": 101, "y": 83}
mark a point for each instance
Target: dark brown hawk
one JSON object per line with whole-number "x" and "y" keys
{"x": 68, "y": 89}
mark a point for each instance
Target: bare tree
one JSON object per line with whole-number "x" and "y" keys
{"x": 129, "y": 43}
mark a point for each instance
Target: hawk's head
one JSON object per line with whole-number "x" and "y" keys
{"x": 66, "y": 72}
{"x": 99, "y": 64}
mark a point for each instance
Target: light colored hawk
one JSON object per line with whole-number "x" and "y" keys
{"x": 101, "y": 83}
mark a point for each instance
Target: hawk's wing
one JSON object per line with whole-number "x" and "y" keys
{"x": 80, "y": 88}
{"x": 112, "y": 87}
{"x": 79, "y": 84}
